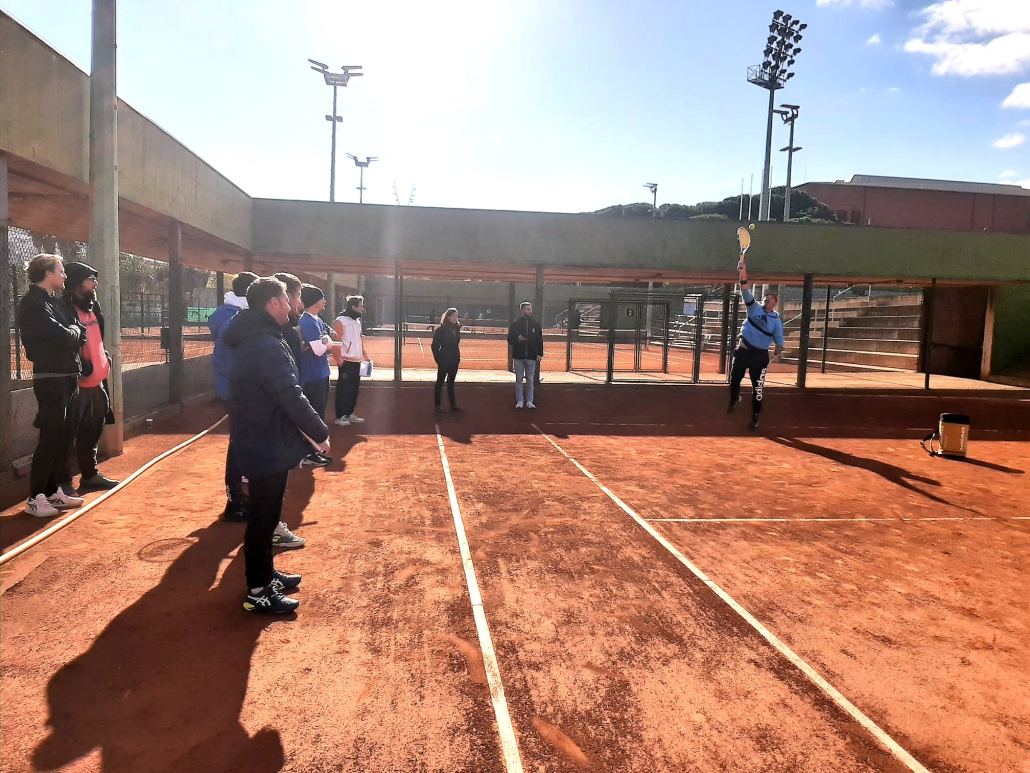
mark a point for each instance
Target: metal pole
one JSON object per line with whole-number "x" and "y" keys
{"x": 826, "y": 327}
{"x": 511, "y": 319}
{"x": 332, "y": 162}
{"x": 361, "y": 185}
{"x": 219, "y": 287}
{"x": 398, "y": 341}
{"x": 790, "y": 164}
{"x": 806, "y": 323}
{"x": 733, "y": 327}
{"x": 613, "y": 311}
{"x": 176, "y": 298}
{"x": 750, "y": 195}
{"x": 6, "y": 417}
{"x": 724, "y": 335}
{"x": 765, "y": 202}
{"x": 929, "y": 300}
{"x": 699, "y": 336}
{"x": 538, "y": 307}
{"x": 103, "y": 180}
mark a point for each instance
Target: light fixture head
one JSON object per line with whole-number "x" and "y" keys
{"x": 777, "y": 14}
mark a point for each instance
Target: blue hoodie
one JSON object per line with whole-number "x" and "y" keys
{"x": 217, "y": 324}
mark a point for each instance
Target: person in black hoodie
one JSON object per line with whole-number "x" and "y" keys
{"x": 52, "y": 338}
{"x": 527, "y": 348}
{"x": 272, "y": 427}
{"x": 447, "y": 353}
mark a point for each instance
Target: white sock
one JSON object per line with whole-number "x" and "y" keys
{"x": 257, "y": 591}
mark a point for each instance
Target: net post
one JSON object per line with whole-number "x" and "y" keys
{"x": 806, "y": 323}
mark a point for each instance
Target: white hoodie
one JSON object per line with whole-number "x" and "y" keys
{"x": 349, "y": 331}
{"x": 232, "y": 299}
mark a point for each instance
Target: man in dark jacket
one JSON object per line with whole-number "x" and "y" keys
{"x": 52, "y": 338}
{"x": 235, "y": 301}
{"x": 527, "y": 348}
{"x": 272, "y": 427}
{"x": 92, "y": 405}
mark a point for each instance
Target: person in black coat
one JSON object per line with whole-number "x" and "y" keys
{"x": 272, "y": 427}
{"x": 447, "y": 353}
{"x": 52, "y": 338}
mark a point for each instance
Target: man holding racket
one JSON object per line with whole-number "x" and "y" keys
{"x": 761, "y": 328}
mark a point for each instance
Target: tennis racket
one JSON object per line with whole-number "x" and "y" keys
{"x": 744, "y": 237}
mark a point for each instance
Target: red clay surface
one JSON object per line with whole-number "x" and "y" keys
{"x": 125, "y": 647}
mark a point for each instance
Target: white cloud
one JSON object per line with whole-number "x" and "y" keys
{"x": 1020, "y": 183}
{"x": 1008, "y": 173}
{"x": 1025, "y": 123}
{"x": 974, "y": 37}
{"x": 874, "y": 5}
{"x": 893, "y": 90}
{"x": 875, "y": 40}
{"x": 1010, "y": 141}
{"x": 1019, "y": 98}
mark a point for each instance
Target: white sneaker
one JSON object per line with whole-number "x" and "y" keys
{"x": 40, "y": 507}
{"x": 518, "y": 404}
{"x": 342, "y": 422}
{"x": 354, "y": 419}
{"x": 530, "y": 405}
{"x": 62, "y": 501}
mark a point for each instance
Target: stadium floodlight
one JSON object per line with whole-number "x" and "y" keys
{"x": 335, "y": 80}
{"x": 780, "y": 55}
{"x": 789, "y": 113}
{"x": 653, "y": 187}
{"x": 362, "y": 165}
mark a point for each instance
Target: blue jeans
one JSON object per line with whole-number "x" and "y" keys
{"x": 524, "y": 369}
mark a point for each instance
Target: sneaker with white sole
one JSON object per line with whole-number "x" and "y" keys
{"x": 530, "y": 405}
{"x": 314, "y": 460}
{"x": 283, "y": 582}
{"x": 282, "y": 537}
{"x": 270, "y": 601}
{"x": 40, "y": 507}
{"x": 342, "y": 422}
{"x": 62, "y": 501}
{"x": 518, "y": 404}
{"x": 354, "y": 419}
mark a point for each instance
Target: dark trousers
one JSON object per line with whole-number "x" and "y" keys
{"x": 233, "y": 475}
{"x": 347, "y": 388}
{"x": 56, "y": 422}
{"x": 317, "y": 393}
{"x": 756, "y": 363}
{"x": 91, "y": 407}
{"x": 449, "y": 372}
{"x": 266, "y": 508}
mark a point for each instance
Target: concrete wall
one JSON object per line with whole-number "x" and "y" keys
{"x": 1011, "y": 342}
{"x": 44, "y": 118}
{"x": 936, "y": 210}
{"x": 522, "y": 239}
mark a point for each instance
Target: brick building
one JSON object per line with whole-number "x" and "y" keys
{"x": 941, "y": 205}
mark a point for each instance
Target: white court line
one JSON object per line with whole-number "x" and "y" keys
{"x": 885, "y": 740}
{"x": 509, "y": 745}
{"x": 835, "y": 520}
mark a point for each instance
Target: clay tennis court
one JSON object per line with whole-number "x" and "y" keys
{"x": 897, "y": 579}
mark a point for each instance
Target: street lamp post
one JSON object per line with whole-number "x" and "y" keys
{"x": 362, "y": 165}
{"x": 773, "y": 74}
{"x": 790, "y": 115}
{"x": 653, "y": 187}
{"x": 335, "y": 80}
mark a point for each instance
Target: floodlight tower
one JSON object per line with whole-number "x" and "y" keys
{"x": 362, "y": 165}
{"x": 789, "y": 113}
{"x": 335, "y": 80}
{"x": 771, "y": 75}
{"x": 653, "y": 187}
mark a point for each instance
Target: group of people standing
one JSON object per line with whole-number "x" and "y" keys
{"x": 62, "y": 329}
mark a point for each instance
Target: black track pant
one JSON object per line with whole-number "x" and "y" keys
{"x": 317, "y": 393}
{"x": 233, "y": 475}
{"x": 347, "y": 385}
{"x": 91, "y": 408}
{"x": 56, "y": 421}
{"x": 449, "y": 372}
{"x": 756, "y": 363}
{"x": 266, "y": 507}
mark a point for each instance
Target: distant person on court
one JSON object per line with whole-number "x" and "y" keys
{"x": 527, "y": 348}
{"x": 93, "y": 404}
{"x": 347, "y": 327}
{"x": 761, "y": 328}
{"x": 272, "y": 427}
{"x": 234, "y": 302}
{"x": 52, "y": 338}
{"x": 447, "y": 353}
{"x": 314, "y": 357}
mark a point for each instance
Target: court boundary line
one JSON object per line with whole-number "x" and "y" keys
{"x": 838, "y": 520}
{"x": 509, "y": 744}
{"x": 835, "y": 695}
{"x": 76, "y": 514}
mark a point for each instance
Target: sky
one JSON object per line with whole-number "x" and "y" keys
{"x": 566, "y": 106}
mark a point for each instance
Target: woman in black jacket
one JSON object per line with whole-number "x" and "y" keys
{"x": 447, "y": 353}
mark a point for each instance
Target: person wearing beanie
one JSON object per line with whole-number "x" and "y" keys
{"x": 237, "y": 504}
{"x": 52, "y": 338}
{"x": 314, "y": 357}
{"x": 92, "y": 405}
{"x": 348, "y": 330}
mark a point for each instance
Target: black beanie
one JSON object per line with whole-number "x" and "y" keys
{"x": 310, "y": 295}
{"x": 78, "y": 273}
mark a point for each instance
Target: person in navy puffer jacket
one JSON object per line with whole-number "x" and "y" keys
{"x": 272, "y": 426}
{"x": 235, "y": 302}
